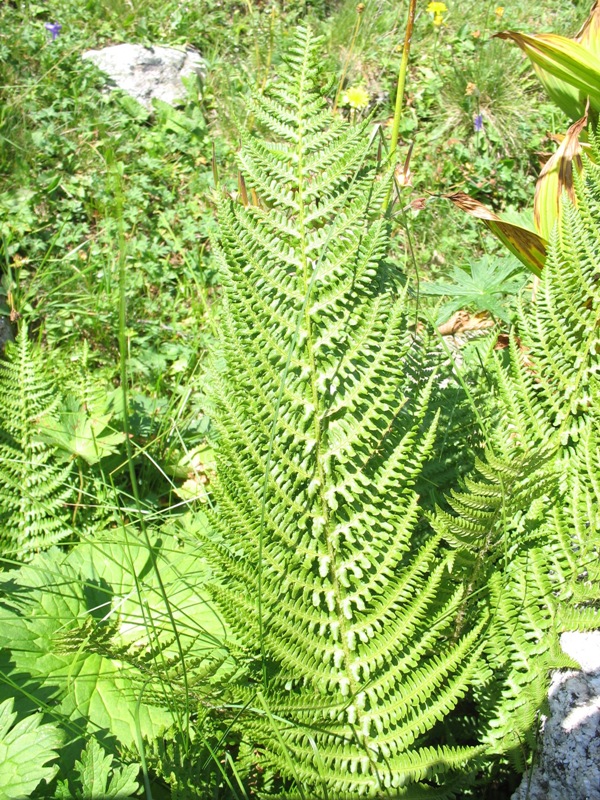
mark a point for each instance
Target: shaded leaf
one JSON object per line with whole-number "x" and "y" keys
{"x": 94, "y": 625}
{"x": 99, "y": 779}
{"x": 482, "y": 287}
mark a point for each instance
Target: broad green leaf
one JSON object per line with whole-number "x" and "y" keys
{"x": 557, "y": 177}
{"x": 589, "y": 34}
{"x": 25, "y": 749}
{"x": 82, "y": 431}
{"x": 568, "y": 70}
{"x": 88, "y": 623}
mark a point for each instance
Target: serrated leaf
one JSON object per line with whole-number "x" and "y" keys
{"x": 78, "y": 622}
{"x": 481, "y": 287}
{"x": 100, "y": 780}
{"x": 25, "y": 749}
{"x": 81, "y": 431}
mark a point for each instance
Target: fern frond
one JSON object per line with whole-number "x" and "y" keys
{"x": 561, "y": 331}
{"x": 34, "y": 486}
{"x": 323, "y": 432}
{"x": 577, "y": 530}
{"x": 527, "y": 517}
{"x": 487, "y": 515}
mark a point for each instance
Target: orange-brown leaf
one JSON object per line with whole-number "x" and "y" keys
{"x": 526, "y": 245}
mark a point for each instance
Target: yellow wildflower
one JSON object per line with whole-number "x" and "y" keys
{"x": 437, "y": 10}
{"x": 356, "y": 97}
{"x": 499, "y": 11}
{"x": 471, "y": 87}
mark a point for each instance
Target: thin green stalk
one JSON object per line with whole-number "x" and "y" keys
{"x": 410, "y": 22}
{"x": 270, "y": 50}
{"x": 141, "y": 750}
{"x": 257, "y": 57}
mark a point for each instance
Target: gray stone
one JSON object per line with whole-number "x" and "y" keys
{"x": 568, "y": 764}
{"x": 148, "y": 72}
{"x": 6, "y": 332}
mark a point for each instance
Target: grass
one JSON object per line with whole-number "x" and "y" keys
{"x": 106, "y": 211}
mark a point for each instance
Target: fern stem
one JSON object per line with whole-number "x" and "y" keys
{"x": 270, "y": 50}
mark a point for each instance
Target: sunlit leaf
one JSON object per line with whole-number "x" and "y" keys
{"x": 25, "y": 748}
{"x": 568, "y": 70}
{"x": 87, "y": 623}
{"x": 82, "y": 431}
{"x": 526, "y": 245}
{"x": 557, "y": 177}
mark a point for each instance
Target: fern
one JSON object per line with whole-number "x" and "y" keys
{"x": 34, "y": 487}
{"x": 550, "y": 392}
{"x": 527, "y": 517}
{"x": 322, "y": 434}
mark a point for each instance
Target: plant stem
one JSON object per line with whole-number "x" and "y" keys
{"x": 412, "y": 7}
{"x": 270, "y": 51}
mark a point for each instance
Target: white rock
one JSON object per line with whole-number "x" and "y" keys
{"x": 148, "y": 72}
{"x": 568, "y": 763}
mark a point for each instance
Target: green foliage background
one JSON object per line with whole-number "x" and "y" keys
{"x": 366, "y": 601}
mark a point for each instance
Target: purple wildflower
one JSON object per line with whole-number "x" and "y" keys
{"x": 53, "y": 28}
{"x": 478, "y": 123}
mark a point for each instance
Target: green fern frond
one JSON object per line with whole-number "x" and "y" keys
{"x": 577, "y": 530}
{"x": 34, "y": 486}
{"x": 323, "y": 432}
{"x": 487, "y": 515}
{"x": 526, "y": 519}
{"x": 561, "y": 330}
{"x": 523, "y": 648}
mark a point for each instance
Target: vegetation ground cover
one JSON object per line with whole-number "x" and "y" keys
{"x": 139, "y": 368}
